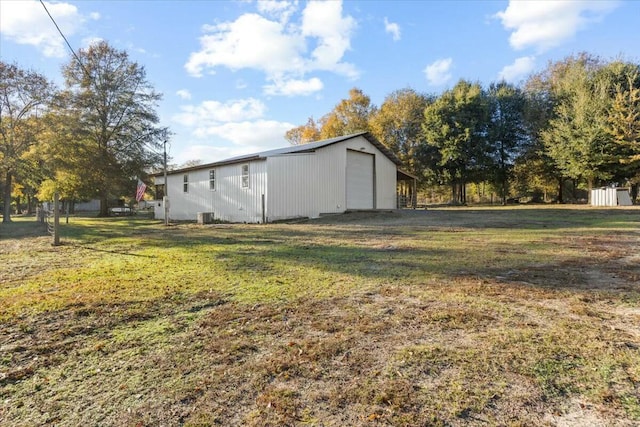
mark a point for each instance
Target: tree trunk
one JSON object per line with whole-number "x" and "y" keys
{"x": 104, "y": 206}
{"x": 560, "y": 190}
{"x": 454, "y": 196}
{"x": 6, "y": 212}
{"x": 464, "y": 193}
{"x": 634, "y": 192}
{"x": 504, "y": 190}
{"x": 29, "y": 205}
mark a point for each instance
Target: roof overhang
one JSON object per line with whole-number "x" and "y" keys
{"x": 304, "y": 148}
{"x": 402, "y": 175}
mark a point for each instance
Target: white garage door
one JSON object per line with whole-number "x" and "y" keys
{"x": 360, "y": 177}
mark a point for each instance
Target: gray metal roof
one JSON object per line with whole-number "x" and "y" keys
{"x": 302, "y": 148}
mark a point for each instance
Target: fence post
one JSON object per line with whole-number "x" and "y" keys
{"x": 56, "y": 219}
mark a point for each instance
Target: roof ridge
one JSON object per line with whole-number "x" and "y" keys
{"x": 300, "y": 148}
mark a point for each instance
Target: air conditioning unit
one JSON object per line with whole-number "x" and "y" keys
{"x": 205, "y": 218}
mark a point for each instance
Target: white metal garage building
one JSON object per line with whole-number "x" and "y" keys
{"x": 330, "y": 176}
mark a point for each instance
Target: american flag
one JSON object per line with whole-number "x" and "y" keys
{"x": 140, "y": 190}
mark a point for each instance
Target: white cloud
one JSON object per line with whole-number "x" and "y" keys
{"x": 215, "y": 112}
{"x": 251, "y": 41}
{"x": 282, "y": 10}
{"x": 184, "y": 94}
{"x": 283, "y": 51}
{"x": 94, "y": 15}
{"x": 26, "y": 22}
{"x": 547, "y": 24}
{"x": 324, "y": 21}
{"x": 520, "y": 68}
{"x": 438, "y": 73}
{"x": 294, "y": 87}
{"x": 239, "y": 122}
{"x": 392, "y": 28}
{"x": 257, "y": 135}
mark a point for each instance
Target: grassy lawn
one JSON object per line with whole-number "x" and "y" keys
{"x": 470, "y": 316}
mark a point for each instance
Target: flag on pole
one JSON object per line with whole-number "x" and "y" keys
{"x": 140, "y": 190}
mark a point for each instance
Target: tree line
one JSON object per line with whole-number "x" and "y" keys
{"x": 575, "y": 124}
{"x": 91, "y": 139}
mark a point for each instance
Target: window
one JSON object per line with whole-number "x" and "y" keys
{"x": 185, "y": 183}
{"x": 212, "y": 179}
{"x": 245, "y": 176}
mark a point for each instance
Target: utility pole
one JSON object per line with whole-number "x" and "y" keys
{"x": 165, "y": 198}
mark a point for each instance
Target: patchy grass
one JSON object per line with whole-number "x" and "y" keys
{"x": 520, "y": 316}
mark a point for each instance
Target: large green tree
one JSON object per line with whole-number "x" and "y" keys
{"x": 507, "y": 133}
{"x": 576, "y": 138}
{"x": 623, "y": 119}
{"x": 398, "y": 125}
{"x": 535, "y": 174}
{"x": 113, "y": 108}
{"x": 456, "y": 124}
{"x": 23, "y": 95}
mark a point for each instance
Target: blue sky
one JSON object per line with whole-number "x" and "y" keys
{"x": 236, "y": 75}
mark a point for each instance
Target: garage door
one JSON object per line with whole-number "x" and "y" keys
{"x": 360, "y": 179}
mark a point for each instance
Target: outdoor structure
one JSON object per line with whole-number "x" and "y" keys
{"x": 610, "y": 196}
{"x": 352, "y": 172}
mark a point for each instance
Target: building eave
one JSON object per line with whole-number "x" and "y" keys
{"x": 295, "y": 149}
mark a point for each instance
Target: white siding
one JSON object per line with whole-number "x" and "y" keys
{"x": 385, "y": 170}
{"x": 610, "y": 196}
{"x": 386, "y": 186}
{"x": 310, "y": 184}
{"x": 304, "y": 185}
{"x": 229, "y": 201}
{"x": 298, "y": 185}
{"x": 92, "y": 205}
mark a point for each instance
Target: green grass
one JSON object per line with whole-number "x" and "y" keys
{"x": 509, "y": 316}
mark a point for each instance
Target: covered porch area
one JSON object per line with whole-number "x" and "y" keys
{"x": 407, "y": 189}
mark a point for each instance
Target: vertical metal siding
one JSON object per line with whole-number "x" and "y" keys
{"x": 309, "y": 184}
{"x": 303, "y": 185}
{"x": 610, "y": 196}
{"x": 229, "y": 201}
{"x": 385, "y": 171}
{"x": 294, "y": 185}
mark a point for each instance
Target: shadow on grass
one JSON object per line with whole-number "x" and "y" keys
{"x": 374, "y": 249}
{"x": 22, "y": 227}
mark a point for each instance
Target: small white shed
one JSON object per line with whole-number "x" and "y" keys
{"x": 610, "y": 196}
{"x": 330, "y": 176}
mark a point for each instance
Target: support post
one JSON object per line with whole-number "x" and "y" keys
{"x": 165, "y": 199}
{"x": 56, "y": 219}
{"x": 165, "y": 202}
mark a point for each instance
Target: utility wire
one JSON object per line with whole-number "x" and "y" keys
{"x": 66, "y": 41}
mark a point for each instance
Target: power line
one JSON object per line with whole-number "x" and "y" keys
{"x": 65, "y": 40}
